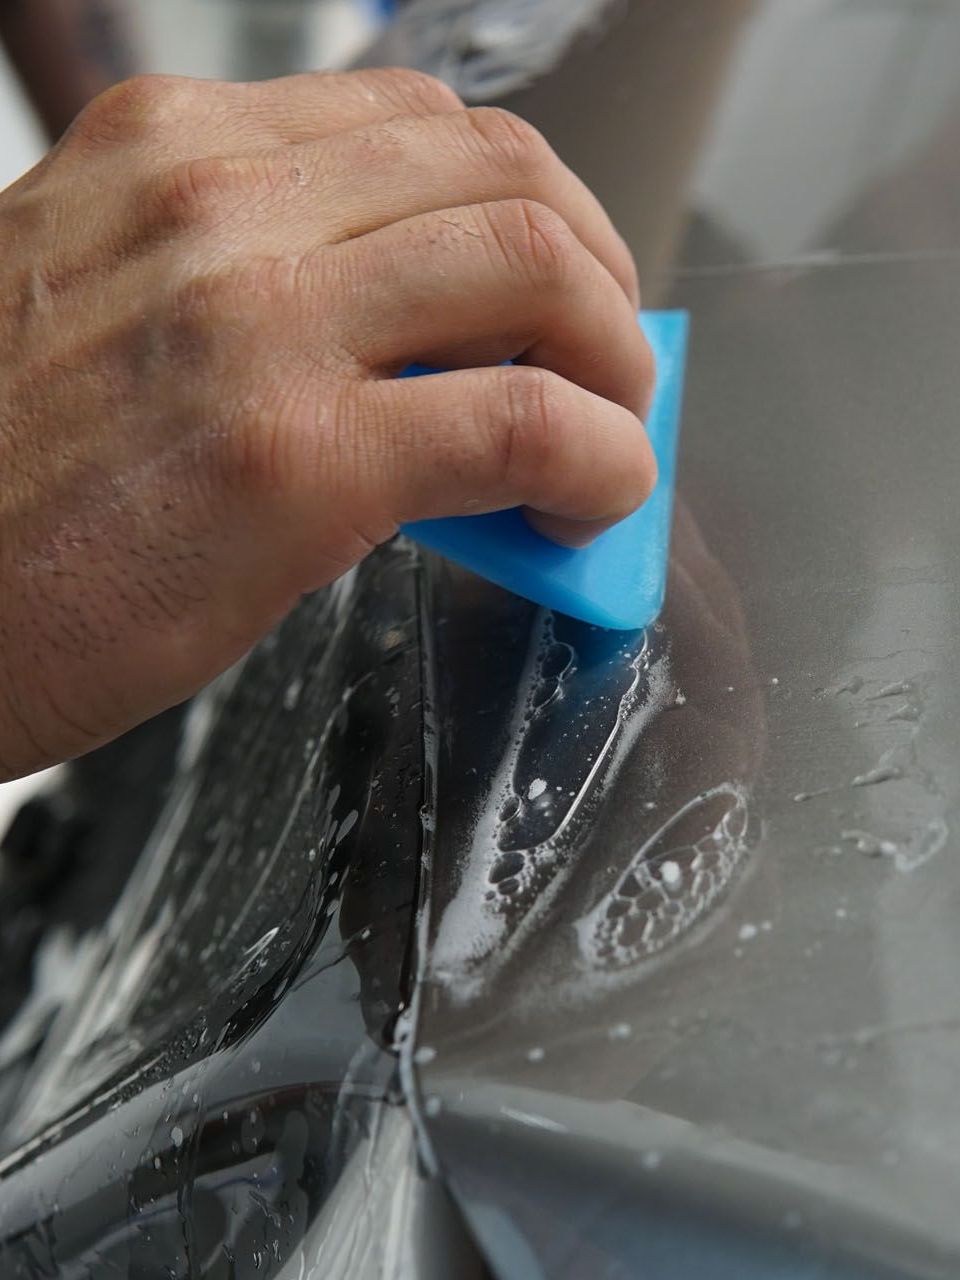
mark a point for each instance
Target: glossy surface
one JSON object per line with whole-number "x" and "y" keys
{"x": 744, "y": 1007}
{"x": 686, "y": 974}
{"x": 222, "y": 1074}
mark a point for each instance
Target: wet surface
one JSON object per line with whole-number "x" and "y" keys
{"x": 681, "y": 993}
{"x": 222, "y": 1068}
{"x": 768, "y": 952}
{"x": 555, "y": 781}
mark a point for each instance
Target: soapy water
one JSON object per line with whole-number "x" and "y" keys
{"x": 670, "y": 884}
{"x": 902, "y": 825}
{"x": 524, "y": 846}
{"x": 906, "y": 853}
{"x": 275, "y": 906}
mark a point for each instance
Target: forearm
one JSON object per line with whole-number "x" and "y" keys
{"x": 66, "y": 52}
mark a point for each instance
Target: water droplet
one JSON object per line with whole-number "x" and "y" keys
{"x": 899, "y": 689}
{"x": 873, "y": 846}
{"x": 906, "y": 712}
{"x": 853, "y": 685}
{"x": 509, "y": 809}
{"x": 747, "y": 932}
{"x": 262, "y": 943}
{"x": 545, "y": 693}
{"x": 557, "y": 661}
{"x": 537, "y": 787}
{"x": 671, "y": 875}
{"x": 291, "y": 695}
{"x": 507, "y": 865}
{"x": 536, "y": 1054}
{"x": 176, "y": 1136}
{"x": 620, "y": 1031}
{"x": 882, "y": 773}
{"x": 347, "y": 825}
{"x": 651, "y": 1160}
{"x": 425, "y": 1054}
{"x": 433, "y": 1106}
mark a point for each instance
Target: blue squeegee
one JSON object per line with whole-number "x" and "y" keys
{"x": 618, "y": 581}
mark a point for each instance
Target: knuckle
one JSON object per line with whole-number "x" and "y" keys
{"x": 513, "y": 142}
{"x": 199, "y": 191}
{"x": 255, "y": 297}
{"x": 208, "y": 302}
{"x": 412, "y": 90}
{"x": 535, "y": 242}
{"x": 135, "y": 110}
{"x": 532, "y": 400}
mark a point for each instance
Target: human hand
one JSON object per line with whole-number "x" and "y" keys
{"x": 205, "y": 293}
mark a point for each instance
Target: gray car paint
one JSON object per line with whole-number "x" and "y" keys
{"x": 744, "y": 1065}
{"x": 782, "y": 1070}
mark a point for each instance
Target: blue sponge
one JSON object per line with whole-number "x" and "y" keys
{"x": 618, "y": 581}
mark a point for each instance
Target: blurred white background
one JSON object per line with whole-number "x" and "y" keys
{"x": 232, "y": 39}
{"x": 21, "y": 142}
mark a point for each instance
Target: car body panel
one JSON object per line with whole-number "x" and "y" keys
{"x": 662, "y": 977}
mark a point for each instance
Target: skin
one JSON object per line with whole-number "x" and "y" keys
{"x": 205, "y": 293}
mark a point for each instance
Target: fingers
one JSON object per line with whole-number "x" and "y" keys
{"x": 487, "y": 439}
{"x": 395, "y": 170}
{"x": 356, "y": 152}
{"x": 487, "y": 283}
